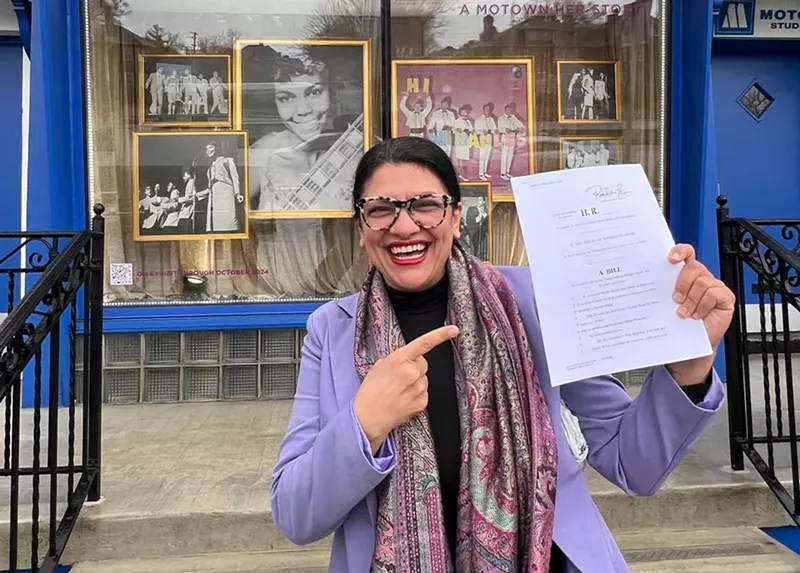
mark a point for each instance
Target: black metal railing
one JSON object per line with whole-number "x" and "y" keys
{"x": 760, "y": 262}
{"x": 63, "y": 278}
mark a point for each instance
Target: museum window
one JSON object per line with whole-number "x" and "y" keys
{"x": 222, "y": 136}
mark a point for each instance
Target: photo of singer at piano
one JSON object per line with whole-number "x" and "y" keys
{"x": 190, "y": 186}
{"x": 589, "y": 152}
{"x": 305, "y": 109}
{"x": 475, "y": 218}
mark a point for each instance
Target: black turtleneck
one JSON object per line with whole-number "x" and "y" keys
{"x": 418, "y": 313}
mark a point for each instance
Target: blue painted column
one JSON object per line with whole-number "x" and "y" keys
{"x": 690, "y": 84}
{"x": 50, "y": 183}
{"x": 55, "y": 182}
{"x": 693, "y": 165}
{"x": 693, "y": 174}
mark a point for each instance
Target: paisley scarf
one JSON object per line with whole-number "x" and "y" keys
{"x": 506, "y": 500}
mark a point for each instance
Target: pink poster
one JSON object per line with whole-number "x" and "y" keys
{"x": 478, "y": 111}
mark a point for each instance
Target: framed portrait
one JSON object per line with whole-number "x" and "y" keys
{"x": 305, "y": 107}
{"x": 480, "y": 112}
{"x": 476, "y": 218}
{"x": 589, "y": 151}
{"x": 190, "y": 185}
{"x": 589, "y": 91}
{"x": 185, "y": 90}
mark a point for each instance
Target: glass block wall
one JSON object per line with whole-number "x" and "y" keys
{"x": 203, "y": 366}
{"x": 198, "y": 366}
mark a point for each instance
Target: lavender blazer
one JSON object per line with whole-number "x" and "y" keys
{"x": 325, "y": 475}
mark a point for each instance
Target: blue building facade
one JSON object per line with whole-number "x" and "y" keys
{"x": 193, "y": 316}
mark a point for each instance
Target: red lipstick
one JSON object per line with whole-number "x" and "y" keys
{"x": 413, "y": 257}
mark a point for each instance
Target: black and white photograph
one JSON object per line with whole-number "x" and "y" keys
{"x": 579, "y": 152}
{"x": 305, "y": 107}
{"x": 588, "y": 92}
{"x": 190, "y": 186}
{"x": 185, "y": 90}
{"x": 476, "y": 217}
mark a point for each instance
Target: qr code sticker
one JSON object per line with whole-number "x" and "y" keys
{"x": 121, "y": 274}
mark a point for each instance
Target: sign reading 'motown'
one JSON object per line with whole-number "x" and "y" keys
{"x": 758, "y": 19}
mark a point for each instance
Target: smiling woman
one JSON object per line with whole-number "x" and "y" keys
{"x": 427, "y": 394}
{"x": 412, "y": 201}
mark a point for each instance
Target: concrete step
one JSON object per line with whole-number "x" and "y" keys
{"x": 719, "y": 550}
{"x": 194, "y": 479}
{"x": 101, "y": 536}
{"x": 254, "y": 562}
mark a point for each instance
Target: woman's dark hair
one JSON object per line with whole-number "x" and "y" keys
{"x": 413, "y": 150}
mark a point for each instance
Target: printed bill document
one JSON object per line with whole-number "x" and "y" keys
{"x": 597, "y": 247}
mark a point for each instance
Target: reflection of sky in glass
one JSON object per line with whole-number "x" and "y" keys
{"x": 263, "y": 18}
{"x": 8, "y": 20}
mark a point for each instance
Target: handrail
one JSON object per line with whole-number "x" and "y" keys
{"x": 41, "y": 332}
{"x": 52, "y": 274}
{"x": 761, "y": 397}
{"x": 752, "y": 226}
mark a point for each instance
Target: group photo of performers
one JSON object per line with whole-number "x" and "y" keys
{"x": 478, "y": 113}
{"x": 469, "y": 138}
{"x": 587, "y": 92}
{"x": 190, "y": 186}
{"x": 190, "y": 89}
{"x": 578, "y": 152}
{"x": 306, "y": 111}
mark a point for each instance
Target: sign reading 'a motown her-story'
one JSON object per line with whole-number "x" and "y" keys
{"x": 758, "y": 19}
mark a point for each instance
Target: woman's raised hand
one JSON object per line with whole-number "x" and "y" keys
{"x": 396, "y": 388}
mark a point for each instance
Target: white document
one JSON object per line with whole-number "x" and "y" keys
{"x": 597, "y": 246}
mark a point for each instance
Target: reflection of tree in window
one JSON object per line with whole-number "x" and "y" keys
{"x": 109, "y": 11}
{"x": 416, "y": 24}
{"x": 756, "y": 101}
{"x": 119, "y": 8}
{"x": 161, "y": 41}
{"x": 221, "y": 43}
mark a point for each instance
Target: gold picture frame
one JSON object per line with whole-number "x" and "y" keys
{"x": 504, "y": 198}
{"x": 501, "y": 190}
{"x": 362, "y": 124}
{"x": 179, "y": 150}
{"x": 615, "y": 157}
{"x": 467, "y": 242}
{"x": 141, "y": 105}
{"x": 563, "y": 96}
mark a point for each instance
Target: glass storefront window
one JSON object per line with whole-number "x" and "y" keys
{"x": 223, "y": 135}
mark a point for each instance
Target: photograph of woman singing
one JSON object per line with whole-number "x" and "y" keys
{"x": 424, "y": 417}
{"x": 225, "y": 195}
{"x": 304, "y": 108}
{"x": 192, "y": 185}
